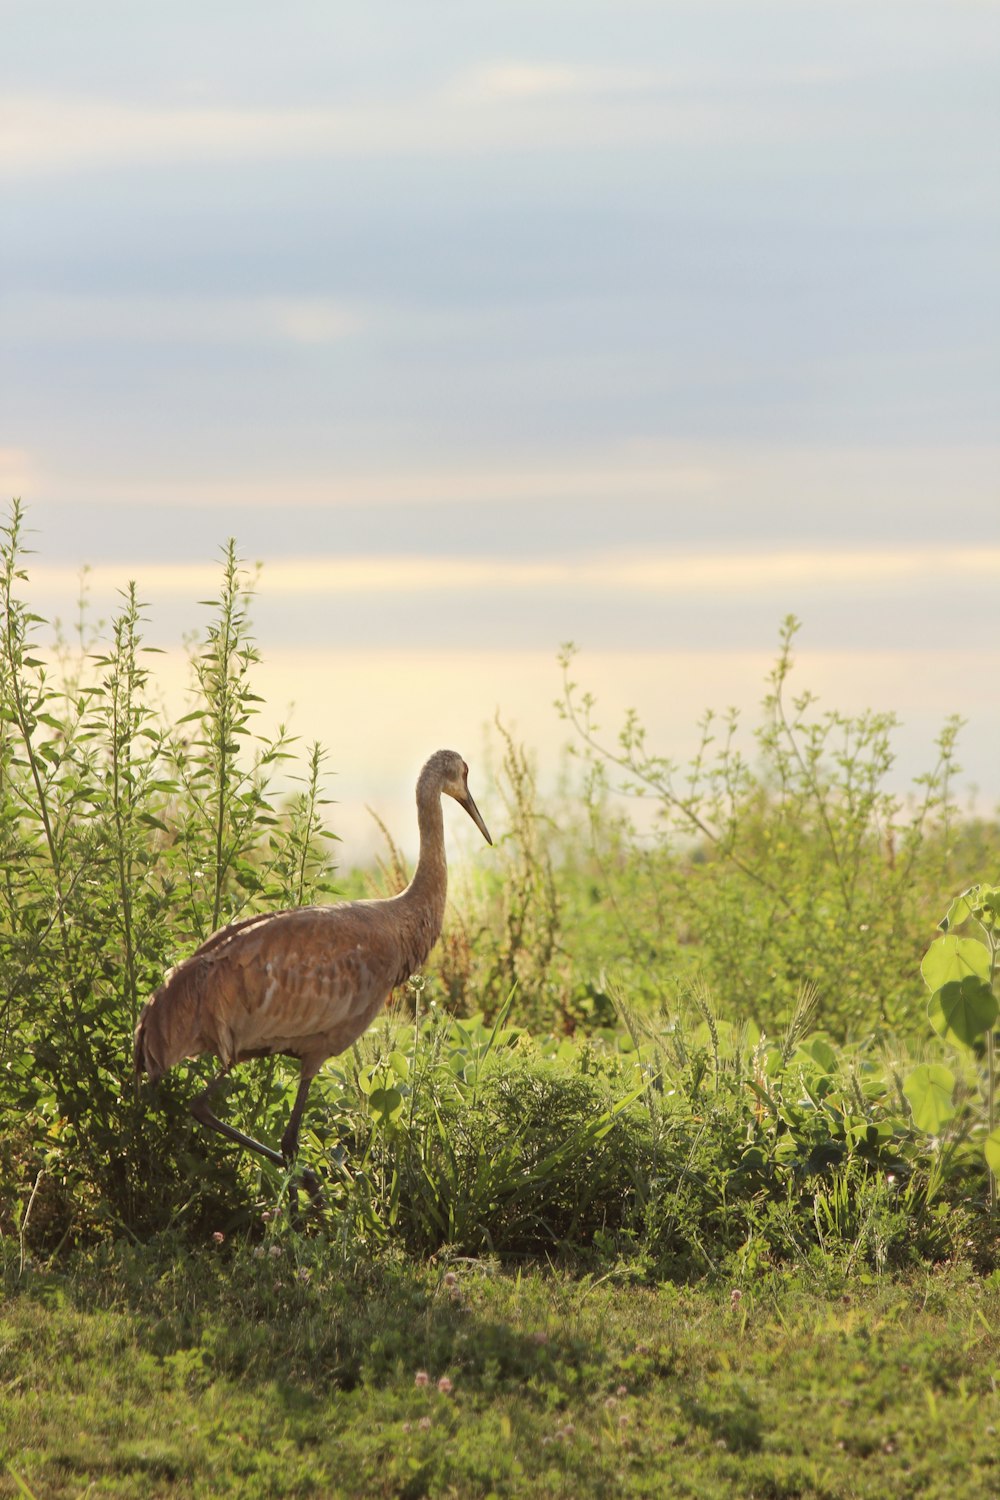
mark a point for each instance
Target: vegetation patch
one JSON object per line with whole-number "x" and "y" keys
{"x": 674, "y": 1172}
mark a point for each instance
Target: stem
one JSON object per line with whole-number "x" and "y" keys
{"x": 310, "y": 822}
{"x": 224, "y": 655}
{"x": 124, "y": 683}
{"x": 991, "y": 1077}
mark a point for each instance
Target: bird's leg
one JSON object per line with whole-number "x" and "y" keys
{"x": 290, "y": 1139}
{"x": 202, "y": 1112}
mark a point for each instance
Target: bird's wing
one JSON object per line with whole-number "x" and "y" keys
{"x": 313, "y": 976}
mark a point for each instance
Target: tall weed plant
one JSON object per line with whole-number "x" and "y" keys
{"x": 124, "y": 841}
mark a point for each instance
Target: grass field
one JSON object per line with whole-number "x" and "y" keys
{"x": 146, "y": 1373}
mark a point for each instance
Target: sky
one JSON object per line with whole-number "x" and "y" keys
{"x": 484, "y": 327}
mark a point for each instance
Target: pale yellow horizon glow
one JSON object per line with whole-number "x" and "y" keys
{"x": 675, "y": 573}
{"x": 380, "y": 712}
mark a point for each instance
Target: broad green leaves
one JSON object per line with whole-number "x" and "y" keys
{"x": 961, "y": 972}
{"x": 963, "y": 1006}
{"x": 954, "y": 958}
{"x": 930, "y": 1090}
{"x": 963, "y": 1009}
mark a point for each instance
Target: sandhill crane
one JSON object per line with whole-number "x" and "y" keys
{"x": 306, "y": 982}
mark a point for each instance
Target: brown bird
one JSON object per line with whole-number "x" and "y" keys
{"x": 304, "y": 983}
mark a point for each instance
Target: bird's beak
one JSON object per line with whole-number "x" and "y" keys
{"x": 474, "y": 814}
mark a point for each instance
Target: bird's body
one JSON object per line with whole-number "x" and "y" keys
{"x": 306, "y": 982}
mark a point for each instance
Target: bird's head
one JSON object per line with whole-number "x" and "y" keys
{"x": 453, "y": 779}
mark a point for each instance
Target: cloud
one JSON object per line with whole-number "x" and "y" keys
{"x": 198, "y": 320}
{"x": 503, "y": 82}
{"x": 794, "y": 490}
{"x": 39, "y": 132}
{"x": 494, "y": 107}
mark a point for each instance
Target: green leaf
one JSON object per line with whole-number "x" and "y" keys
{"x": 929, "y": 1088}
{"x": 950, "y": 958}
{"x": 992, "y": 1151}
{"x": 386, "y": 1104}
{"x": 963, "y": 1009}
{"x": 149, "y": 820}
{"x": 960, "y": 910}
{"x": 820, "y": 1053}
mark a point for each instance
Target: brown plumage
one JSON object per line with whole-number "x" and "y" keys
{"x": 307, "y": 982}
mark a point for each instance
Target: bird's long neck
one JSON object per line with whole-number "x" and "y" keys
{"x": 425, "y": 896}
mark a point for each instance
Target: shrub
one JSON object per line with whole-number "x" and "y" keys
{"x": 797, "y": 866}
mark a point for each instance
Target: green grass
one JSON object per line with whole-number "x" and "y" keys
{"x": 212, "y": 1373}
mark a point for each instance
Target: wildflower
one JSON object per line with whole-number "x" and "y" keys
{"x": 267, "y": 1216}
{"x": 274, "y": 1251}
{"x": 450, "y": 1279}
{"x": 218, "y": 1236}
{"x": 735, "y": 1297}
{"x": 623, "y": 1420}
{"x": 303, "y": 1274}
{"x": 610, "y": 1403}
{"x": 424, "y": 1424}
{"x": 258, "y": 1253}
{"x": 420, "y": 1378}
{"x": 622, "y": 1390}
{"x": 445, "y": 1386}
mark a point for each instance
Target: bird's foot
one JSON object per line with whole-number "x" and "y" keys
{"x": 307, "y": 1181}
{"x": 311, "y": 1184}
